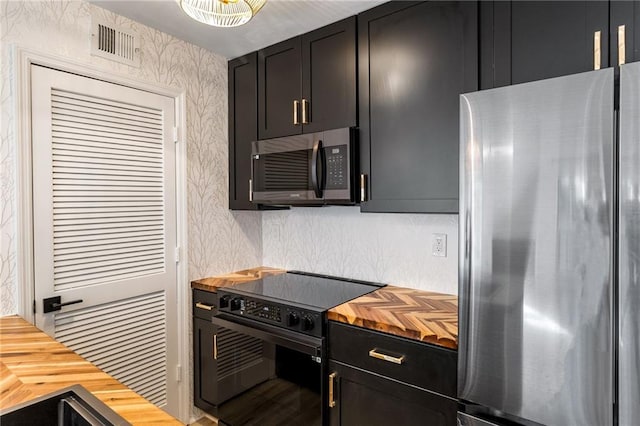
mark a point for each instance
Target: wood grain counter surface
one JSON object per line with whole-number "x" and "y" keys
{"x": 227, "y": 280}
{"x": 414, "y": 314}
{"x": 32, "y": 364}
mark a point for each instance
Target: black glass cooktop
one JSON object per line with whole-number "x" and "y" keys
{"x": 320, "y": 292}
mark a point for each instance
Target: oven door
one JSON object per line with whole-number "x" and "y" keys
{"x": 286, "y": 389}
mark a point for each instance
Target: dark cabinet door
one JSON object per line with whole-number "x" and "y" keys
{"x": 626, "y": 14}
{"x": 415, "y": 59}
{"x": 205, "y": 376}
{"x": 363, "y": 398}
{"x": 524, "y": 41}
{"x": 329, "y": 96}
{"x": 243, "y": 128}
{"x": 279, "y": 89}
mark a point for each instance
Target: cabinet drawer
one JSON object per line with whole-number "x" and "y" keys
{"x": 421, "y": 364}
{"x": 204, "y": 304}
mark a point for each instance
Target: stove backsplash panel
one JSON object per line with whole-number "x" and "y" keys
{"x": 389, "y": 248}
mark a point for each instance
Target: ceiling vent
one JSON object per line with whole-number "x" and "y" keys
{"x": 114, "y": 43}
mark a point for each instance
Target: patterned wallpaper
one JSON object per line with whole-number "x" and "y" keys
{"x": 219, "y": 240}
{"x": 333, "y": 240}
{"x": 341, "y": 241}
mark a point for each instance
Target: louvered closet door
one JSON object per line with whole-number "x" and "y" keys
{"x": 104, "y": 226}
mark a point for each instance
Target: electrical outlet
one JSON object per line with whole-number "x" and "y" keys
{"x": 439, "y": 245}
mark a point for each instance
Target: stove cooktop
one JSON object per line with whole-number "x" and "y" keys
{"x": 315, "y": 291}
{"x": 295, "y": 300}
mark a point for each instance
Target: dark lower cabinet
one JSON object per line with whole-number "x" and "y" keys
{"x": 380, "y": 379}
{"x": 415, "y": 59}
{"x": 364, "y": 398}
{"x": 205, "y": 364}
{"x": 205, "y": 381}
{"x": 243, "y": 128}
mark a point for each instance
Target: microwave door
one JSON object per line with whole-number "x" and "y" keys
{"x": 282, "y": 170}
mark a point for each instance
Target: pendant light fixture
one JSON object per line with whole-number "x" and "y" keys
{"x": 222, "y": 13}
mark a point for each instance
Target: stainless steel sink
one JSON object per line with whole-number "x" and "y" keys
{"x": 72, "y": 406}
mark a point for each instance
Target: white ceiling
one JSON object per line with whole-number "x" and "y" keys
{"x": 277, "y": 21}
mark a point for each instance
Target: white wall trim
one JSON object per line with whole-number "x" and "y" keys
{"x": 23, "y": 58}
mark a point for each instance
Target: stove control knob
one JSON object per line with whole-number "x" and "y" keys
{"x": 293, "y": 319}
{"x": 224, "y": 301}
{"x": 307, "y": 323}
{"x": 235, "y": 303}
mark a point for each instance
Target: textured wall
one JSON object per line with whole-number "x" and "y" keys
{"x": 219, "y": 240}
{"x": 389, "y": 248}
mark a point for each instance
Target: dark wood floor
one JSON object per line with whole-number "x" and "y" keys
{"x": 204, "y": 421}
{"x": 275, "y": 402}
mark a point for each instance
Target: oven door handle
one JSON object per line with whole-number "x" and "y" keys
{"x": 293, "y": 340}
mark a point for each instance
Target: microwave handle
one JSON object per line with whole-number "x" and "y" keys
{"x": 317, "y": 177}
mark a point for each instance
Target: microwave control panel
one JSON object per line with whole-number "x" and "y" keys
{"x": 337, "y": 167}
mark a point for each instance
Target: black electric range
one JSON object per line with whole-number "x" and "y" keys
{"x": 297, "y": 301}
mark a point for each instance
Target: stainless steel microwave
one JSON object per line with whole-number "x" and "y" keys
{"x": 312, "y": 169}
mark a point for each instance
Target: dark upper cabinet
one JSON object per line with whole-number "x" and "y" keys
{"x": 279, "y": 85}
{"x": 524, "y": 41}
{"x": 415, "y": 59}
{"x": 627, "y": 14}
{"x": 243, "y": 128}
{"x": 329, "y": 89}
{"x": 308, "y": 83}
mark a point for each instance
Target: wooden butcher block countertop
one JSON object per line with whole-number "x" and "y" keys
{"x": 414, "y": 314}
{"x": 32, "y": 364}
{"x": 227, "y": 280}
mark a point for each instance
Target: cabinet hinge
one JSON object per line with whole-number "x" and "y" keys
{"x": 175, "y": 135}
{"x": 177, "y": 254}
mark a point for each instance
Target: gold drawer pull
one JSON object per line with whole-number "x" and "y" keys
{"x": 332, "y": 401}
{"x": 204, "y": 306}
{"x": 396, "y": 360}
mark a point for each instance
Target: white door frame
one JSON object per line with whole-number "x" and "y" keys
{"x": 23, "y": 59}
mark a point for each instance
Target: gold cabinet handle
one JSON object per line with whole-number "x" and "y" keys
{"x": 305, "y": 111}
{"x": 621, "y": 46}
{"x": 332, "y": 400}
{"x": 597, "y": 53}
{"x": 215, "y": 346}
{"x": 250, "y": 189}
{"x": 296, "y": 105}
{"x": 363, "y": 187}
{"x": 204, "y": 306}
{"x": 377, "y": 355}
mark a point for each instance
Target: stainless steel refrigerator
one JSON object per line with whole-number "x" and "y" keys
{"x": 550, "y": 252}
